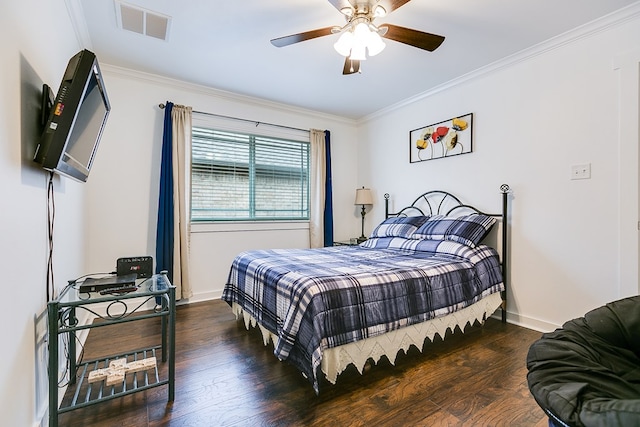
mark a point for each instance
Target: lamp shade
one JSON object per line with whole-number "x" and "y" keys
{"x": 363, "y": 196}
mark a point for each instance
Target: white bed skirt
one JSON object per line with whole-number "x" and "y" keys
{"x": 335, "y": 360}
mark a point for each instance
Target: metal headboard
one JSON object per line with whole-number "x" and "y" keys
{"x": 438, "y": 202}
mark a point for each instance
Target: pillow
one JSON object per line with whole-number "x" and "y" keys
{"x": 384, "y": 242}
{"x": 403, "y": 244}
{"x": 443, "y": 247}
{"x": 399, "y": 226}
{"x": 468, "y": 230}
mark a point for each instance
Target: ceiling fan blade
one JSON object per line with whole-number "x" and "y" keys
{"x": 350, "y": 66}
{"x": 300, "y": 37}
{"x": 341, "y": 4}
{"x": 411, "y": 37}
{"x": 391, "y": 5}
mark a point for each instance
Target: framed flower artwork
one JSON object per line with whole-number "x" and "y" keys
{"x": 445, "y": 139}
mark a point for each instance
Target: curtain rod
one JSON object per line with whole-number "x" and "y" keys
{"x": 244, "y": 120}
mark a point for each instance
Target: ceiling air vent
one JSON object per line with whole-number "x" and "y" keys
{"x": 142, "y": 21}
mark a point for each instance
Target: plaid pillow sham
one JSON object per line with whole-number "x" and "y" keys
{"x": 400, "y": 226}
{"x": 468, "y": 230}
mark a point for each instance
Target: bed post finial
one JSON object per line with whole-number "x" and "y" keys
{"x": 386, "y": 205}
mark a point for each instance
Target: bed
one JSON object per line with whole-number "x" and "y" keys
{"x": 423, "y": 270}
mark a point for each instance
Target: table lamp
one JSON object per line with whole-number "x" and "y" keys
{"x": 363, "y": 197}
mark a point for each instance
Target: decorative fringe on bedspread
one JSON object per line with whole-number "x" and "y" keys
{"x": 335, "y": 360}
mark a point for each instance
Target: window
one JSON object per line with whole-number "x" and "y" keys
{"x": 237, "y": 175}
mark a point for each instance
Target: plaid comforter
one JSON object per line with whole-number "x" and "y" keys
{"x": 313, "y": 299}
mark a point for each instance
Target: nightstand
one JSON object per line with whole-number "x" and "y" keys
{"x": 351, "y": 242}
{"x": 143, "y": 372}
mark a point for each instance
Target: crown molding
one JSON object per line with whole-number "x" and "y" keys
{"x": 76, "y": 15}
{"x": 599, "y": 25}
{"x": 219, "y": 93}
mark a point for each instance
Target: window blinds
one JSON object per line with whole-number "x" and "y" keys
{"x": 238, "y": 175}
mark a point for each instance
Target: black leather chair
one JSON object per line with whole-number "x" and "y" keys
{"x": 588, "y": 372}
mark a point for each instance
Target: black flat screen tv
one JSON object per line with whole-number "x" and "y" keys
{"x": 76, "y": 121}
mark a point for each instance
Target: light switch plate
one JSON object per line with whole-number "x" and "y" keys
{"x": 581, "y": 171}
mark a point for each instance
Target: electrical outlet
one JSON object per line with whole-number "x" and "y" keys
{"x": 581, "y": 171}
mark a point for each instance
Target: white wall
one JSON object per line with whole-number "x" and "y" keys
{"x": 534, "y": 116}
{"x": 571, "y": 102}
{"x": 35, "y": 49}
{"x": 123, "y": 187}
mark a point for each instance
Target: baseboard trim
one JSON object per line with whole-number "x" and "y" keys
{"x": 527, "y": 322}
{"x": 203, "y": 296}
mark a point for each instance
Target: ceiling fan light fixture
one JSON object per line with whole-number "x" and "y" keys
{"x": 344, "y": 43}
{"x": 358, "y": 52}
{"x": 361, "y": 38}
{"x": 347, "y": 11}
{"x": 357, "y": 41}
{"x": 361, "y": 32}
{"x": 379, "y": 11}
{"x": 375, "y": 44}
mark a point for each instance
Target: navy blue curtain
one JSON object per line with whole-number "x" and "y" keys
{"x": 164, "y": 233}
{"x": 328, "y": 198}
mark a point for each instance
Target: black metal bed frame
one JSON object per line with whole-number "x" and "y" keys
{"x": 438, "y": 202}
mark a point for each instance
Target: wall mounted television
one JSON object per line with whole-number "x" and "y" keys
{"x": 76, "y": 119}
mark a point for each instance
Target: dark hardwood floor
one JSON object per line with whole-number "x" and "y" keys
{"x": 226, "y": 377}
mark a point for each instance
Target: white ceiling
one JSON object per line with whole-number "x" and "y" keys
{"x": 225, "y": 45}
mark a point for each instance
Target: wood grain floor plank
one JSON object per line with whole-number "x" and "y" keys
{"x": 225, "y": 376}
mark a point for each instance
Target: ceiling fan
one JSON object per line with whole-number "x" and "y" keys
{"x": 360, "y": 35}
